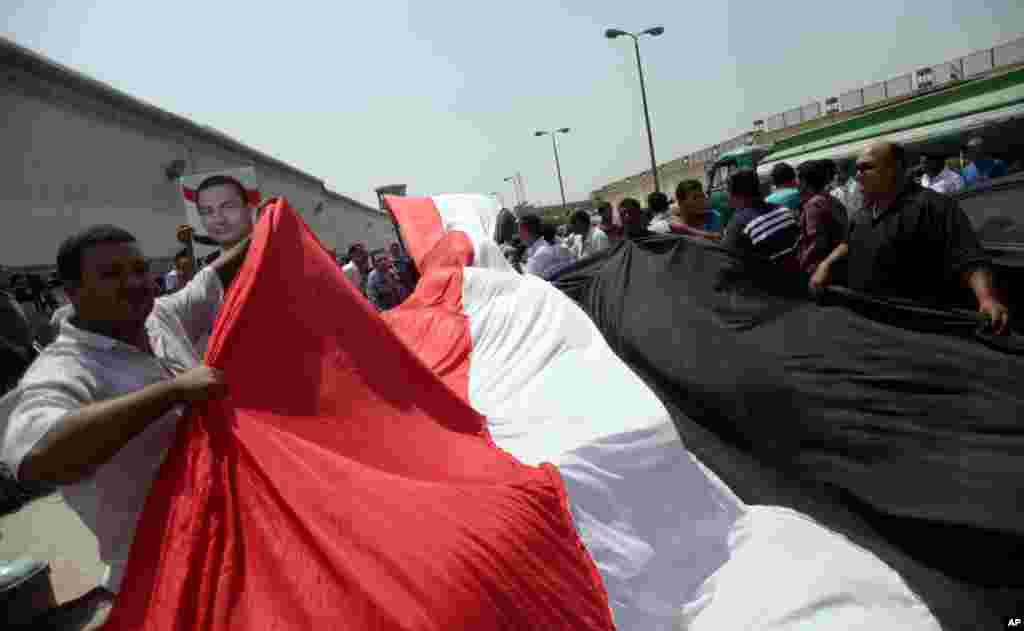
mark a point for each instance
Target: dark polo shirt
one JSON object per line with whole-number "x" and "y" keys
{"x": 916, "y": 249}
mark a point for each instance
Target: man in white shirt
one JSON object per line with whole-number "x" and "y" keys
{"x": 181, "y": 273}
{"x": 96, "y": 411}
{"x": 588, "y": 238}
{"x": 940, "y": 178}
{"x": 848, "y": 192}
{"x": 358, "y": 268}
{"x": 542, "y": 256}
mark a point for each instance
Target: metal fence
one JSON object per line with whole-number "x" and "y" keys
{"x": 851, "y": 100}
{"x": 874, "y": 93}
{"x": 977, "y": 63}
{"x": 946, "y": 72}
{"x": 900, "y": 86}
{"x": 928, "y": 78}
{"x": 1009, "y": 53}
{"x": 810, "y": 111}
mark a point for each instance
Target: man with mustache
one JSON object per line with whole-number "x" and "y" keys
{"x": 96, "y": 411}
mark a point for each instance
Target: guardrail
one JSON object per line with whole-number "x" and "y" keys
{"x": 928, "y": 78}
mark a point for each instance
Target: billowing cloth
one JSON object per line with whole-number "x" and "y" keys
{"x": 341, "y": 485}
{"x": 674, "y": 546}
{"x": 897, "y": 425}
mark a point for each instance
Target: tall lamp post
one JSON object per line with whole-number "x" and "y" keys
{"x": 612, "y": 33}
{"x": 516, "y": 196}
{"x": 558, "y": 165}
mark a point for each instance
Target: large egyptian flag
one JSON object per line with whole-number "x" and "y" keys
{"x": 898, "y": 424}
{"x": 675, "y": 547}
{"x": 341, "y": 485}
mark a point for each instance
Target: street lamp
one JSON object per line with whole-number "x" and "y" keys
{"x": 612, "y": 33}
{"x": 518, "y": 192}
{"x": 558, "y": 166}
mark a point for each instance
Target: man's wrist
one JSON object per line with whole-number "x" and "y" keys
{"x": 169, "y": 391}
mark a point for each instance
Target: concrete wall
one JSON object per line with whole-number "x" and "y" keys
{"x": 69, "y": 160}
{"x": 640, "y": 186}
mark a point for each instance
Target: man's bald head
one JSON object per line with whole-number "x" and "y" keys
{"x": 881, "y": 169}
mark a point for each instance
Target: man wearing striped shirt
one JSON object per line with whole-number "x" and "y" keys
{"x": 757, "y": 228}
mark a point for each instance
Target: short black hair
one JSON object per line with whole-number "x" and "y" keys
{"x": 657, "y": 202}
{"x": 830, "y": 168}
{"x": 630, "y": 202}
{"x": 505, "y": 226}
{"x": 69, "y": 256}
{"x": 814, "y": 174}
{"x": 899, "y": 155}
{"x": 356, "y": 246}
{"x": 222, "y": 180}
{"x": 182, "y": 253}
{"x": 745, "y": 183}
{"x": 548, "y": 231}
{"x": 782, "y": 173}
{"x": 532, "y": 223}
{"x": 580, "y": 216}
{"x": 686, "y": 187}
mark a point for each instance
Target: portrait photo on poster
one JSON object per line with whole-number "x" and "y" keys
{"x": 220, "y": 205}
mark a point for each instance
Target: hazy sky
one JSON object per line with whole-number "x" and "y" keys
{"x": 444, "y": 96}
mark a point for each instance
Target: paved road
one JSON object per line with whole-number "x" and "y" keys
{"x": 49, "y": 530}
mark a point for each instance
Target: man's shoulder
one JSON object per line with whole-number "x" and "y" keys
{"x": 542, "y": 248}
{"x": 768, "y": 214}
{"x": 783, "y": 196}
{"x": 929, "y": 199}
{"x": 205, "y": 282}
{"x": 744, "y": 216}
{"x": 65, "y": 361}
{"x": 822, "y": 202}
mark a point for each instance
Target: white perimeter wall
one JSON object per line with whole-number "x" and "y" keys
{"x": 68, "y": 161}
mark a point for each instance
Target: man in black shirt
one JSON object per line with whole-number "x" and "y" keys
{"x": 909, "y": 241}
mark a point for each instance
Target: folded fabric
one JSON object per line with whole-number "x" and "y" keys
{"x": 890, "y": 423}
{"x": 676, "y": 548}
{"x": 341, "y": 484}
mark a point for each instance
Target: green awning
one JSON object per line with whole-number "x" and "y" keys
{"x": 941, "y": 114}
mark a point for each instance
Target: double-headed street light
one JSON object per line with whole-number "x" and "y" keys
{"x": 558, "y": 166}
{"x": 518, "y": 192}
{"x": 612, "y": 33}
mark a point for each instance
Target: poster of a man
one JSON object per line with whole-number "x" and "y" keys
{"x": 220, "y": 206}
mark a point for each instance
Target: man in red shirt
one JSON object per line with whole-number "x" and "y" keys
{"x": 608, "y": 225}
{"x": 822, "y": 217}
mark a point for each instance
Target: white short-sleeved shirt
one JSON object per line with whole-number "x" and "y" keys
{"x": 543, "y": 257}
{"x": 81, "y": 368}
{"x": 947, "y": 182}
{"x": 171, "y": 280}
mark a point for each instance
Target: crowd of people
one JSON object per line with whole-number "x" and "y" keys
{"x": 128, "y": 349}
{"x": 385, "y": 277}
{"x": 894, "y": 229}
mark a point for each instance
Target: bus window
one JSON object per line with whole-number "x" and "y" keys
{"x": 718, "y": 177}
